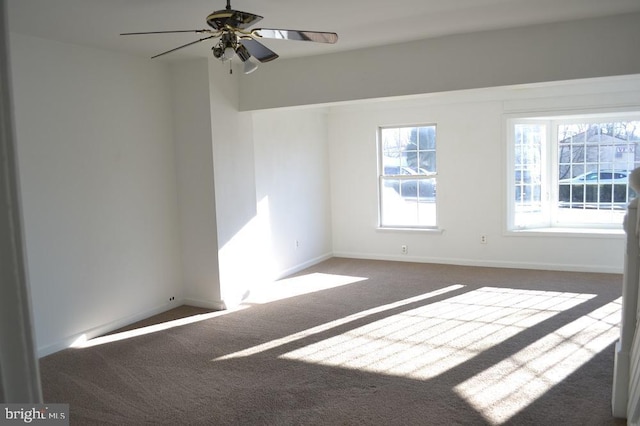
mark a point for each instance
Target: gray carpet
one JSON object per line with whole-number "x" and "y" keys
{"x": 362, "y": 343}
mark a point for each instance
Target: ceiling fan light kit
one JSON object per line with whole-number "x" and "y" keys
{"x": 230, "y": 26}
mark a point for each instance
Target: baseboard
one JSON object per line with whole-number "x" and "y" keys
{"x": 216, "y": 305}
{"x": 480, "y": 262}
{"x": 302, "y": 266}
{"x": 220, "y": 305}
{"x": 223, "y": 305}
{"x": 620, "y": 394}
{"x": 103, "y": 329}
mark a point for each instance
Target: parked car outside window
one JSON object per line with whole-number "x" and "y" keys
{"x": 592, "y": 189}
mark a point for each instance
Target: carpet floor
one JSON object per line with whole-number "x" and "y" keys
{"x": 361, "y": 342}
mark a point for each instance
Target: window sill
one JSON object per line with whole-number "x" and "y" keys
{"x": 568, "y": 232}
{"x": 425, "y": 230}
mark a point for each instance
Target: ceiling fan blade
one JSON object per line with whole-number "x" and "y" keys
{"x": 258, "y": 50}
{"x": 169, "y": 32}
{"x": 184, "y": 45}
{"x": 315, "y": 36}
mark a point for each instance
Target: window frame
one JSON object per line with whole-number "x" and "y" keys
{"x": 550, "y": 164}
{"x": 382, "y": 177}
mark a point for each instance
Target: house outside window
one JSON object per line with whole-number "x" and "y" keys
{"x": 571, "y": 171}
{"x": 407, "y": 176}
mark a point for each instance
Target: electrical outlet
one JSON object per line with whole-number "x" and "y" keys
{"x": 483, "y": 239}
{"x": 404, "y": 249}
{"x": 297, "y": 244}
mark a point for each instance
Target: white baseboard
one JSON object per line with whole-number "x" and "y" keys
{"x": 220, "y": 305}
{"x": 487, "y": 263}
{"x": 302, "y": 266}
{"x": 216, "y": 305}
{"x": 103, "y": 329}
{"x": 620, "y": 394}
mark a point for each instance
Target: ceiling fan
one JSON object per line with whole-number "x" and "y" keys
{"x": 230, "y": 26}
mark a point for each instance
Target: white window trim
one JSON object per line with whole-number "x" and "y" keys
{"x": 408, "y": 228}
{"x": 547, "y": 228}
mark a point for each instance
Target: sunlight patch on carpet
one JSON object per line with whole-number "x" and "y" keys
{"x": 84, "y": 342}
{"x": 427, "y": 341}
{"x": 509, "y": 386}
{"x": 337, "y": 323}
{"x": 297, "y": 286}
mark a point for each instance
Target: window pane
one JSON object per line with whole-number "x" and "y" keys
{"x": 595, "y": 160}
{"x": 408, "y": 203}
{"x": 528, "y": 173}
{"x": 407, "y": 176}
{"x": 580, "y": 178}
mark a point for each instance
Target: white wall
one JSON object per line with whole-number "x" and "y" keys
{"x": 471, "y": 178}
{"x": 539, "y": 53}
{"x": 139, "y": 184}
{"x": 19, "y": 369}
{"x": 292, "y": 184}
{"x": 250, "y": 185}
{"x": 128, "y": 167}
{"x": 98, "y": 184}
{"x": 196, "y": 188}
{"x": 235, "y": 187}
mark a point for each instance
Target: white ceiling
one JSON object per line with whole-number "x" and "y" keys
{"x": 359, "y": 23}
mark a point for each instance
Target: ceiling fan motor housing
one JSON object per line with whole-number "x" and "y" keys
{"x": 228, "y": 40}
{"x": 228, "y": 19}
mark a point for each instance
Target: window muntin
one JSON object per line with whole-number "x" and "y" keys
{"x": 407, "y": 176}
{"x": 529, "y": 145}
{"x": 572, "y": 171}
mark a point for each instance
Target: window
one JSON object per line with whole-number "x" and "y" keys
{"x": 407, "y": 176}
{"x": 571, "y": 171}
